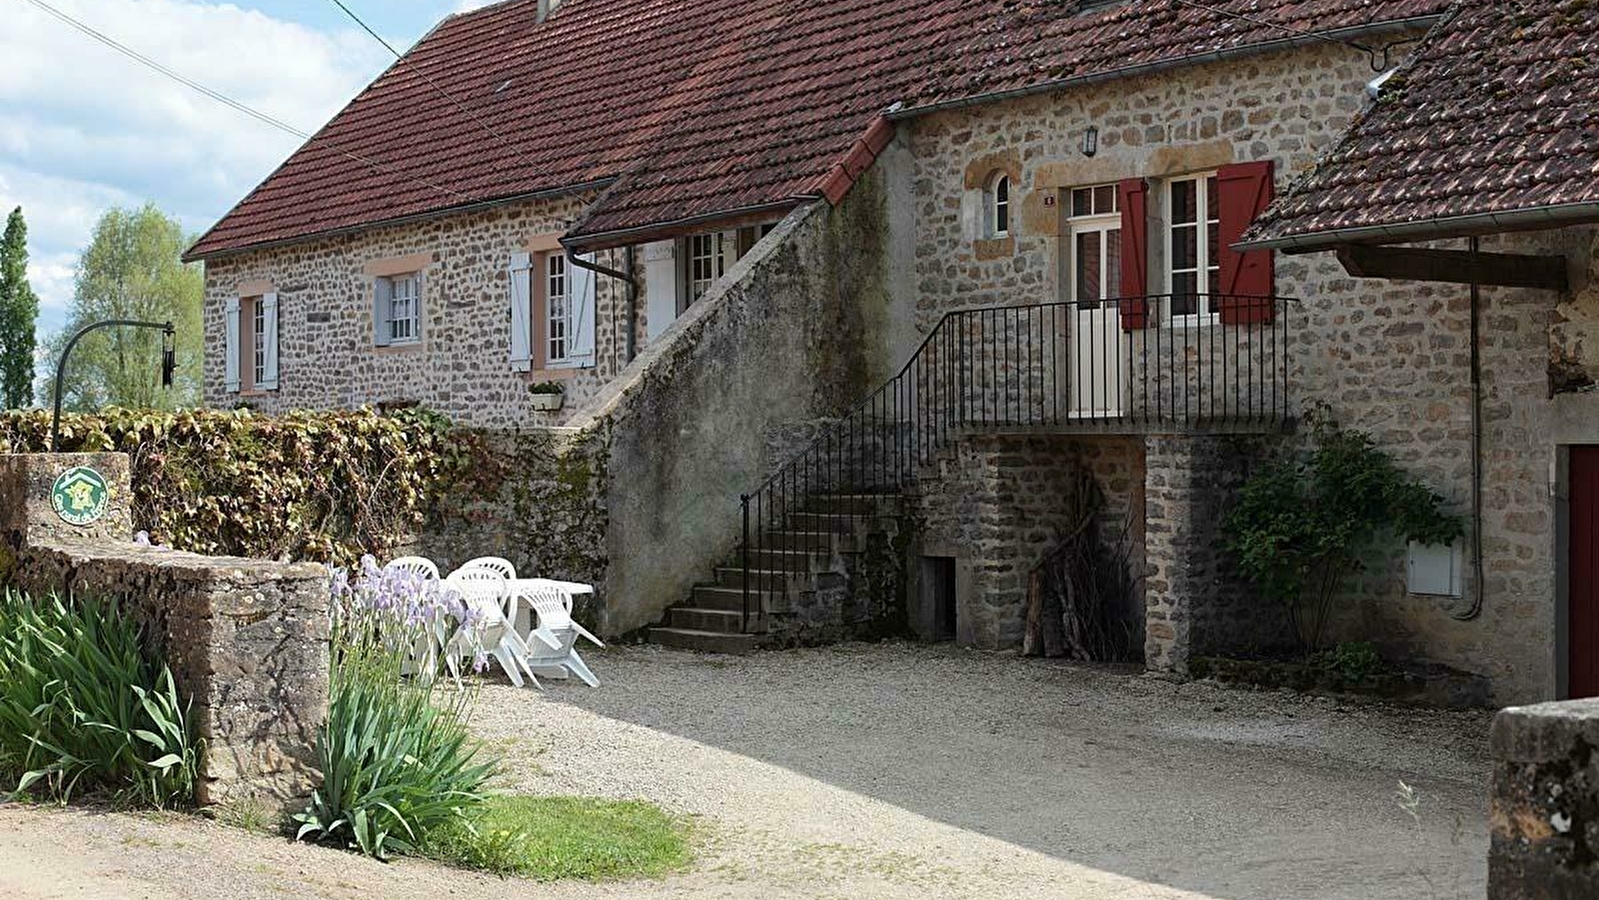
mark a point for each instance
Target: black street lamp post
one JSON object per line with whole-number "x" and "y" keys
{"x": 168, "y": 362}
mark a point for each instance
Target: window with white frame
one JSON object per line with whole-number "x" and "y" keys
{"x": 1095, "y": 225}
{"x": 399, "y": 309}
{"x": 557, "y": 309}
{"x": 1193, "y": 251}
{"x": 997, "y": 211}
{"x": 258, "y": 333}
{"x": 706, "y": 262}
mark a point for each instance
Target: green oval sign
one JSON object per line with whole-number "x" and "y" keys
{"x": 80, "y": 496}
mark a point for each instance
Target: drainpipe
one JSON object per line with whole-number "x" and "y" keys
{"x": 632, "y": 287}
{"x": 1475, "y": 609}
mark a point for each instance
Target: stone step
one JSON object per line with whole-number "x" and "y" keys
{"x": 729, "y": 599}
{"x": 823, "y": 542}
{"x": 703, "y": 641}
{"x": 829, "y": 522}
{"x": 858, "y": 504}
{"x": 761, "y": 579}
{"x": 783, "y": 560}
{"x": 720, "y": 621}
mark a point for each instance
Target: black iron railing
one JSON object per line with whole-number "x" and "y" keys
{"x": 1165, "y": 363}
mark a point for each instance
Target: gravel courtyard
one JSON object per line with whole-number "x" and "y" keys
{"x": 900, "y": 771}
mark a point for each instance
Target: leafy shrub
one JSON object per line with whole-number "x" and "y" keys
{"x": 1301, "y": 526}
{"x": 396, "y": 759}
{"x": 563, "y": 837}
{"x": 84, "y": 710}
{"x": 1352, "y": 662}
{"x": 323, "y": 486}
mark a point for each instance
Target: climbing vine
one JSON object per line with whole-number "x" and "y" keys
{"x": 323, "y": 486}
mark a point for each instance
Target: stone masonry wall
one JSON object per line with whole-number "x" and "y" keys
{"x": 1389, "y": 358}
{"x": 538, "y": 500}
{"x": 997, "y": 503}
{"x": 246, "y": 639}
{"x": 462, "y": 365}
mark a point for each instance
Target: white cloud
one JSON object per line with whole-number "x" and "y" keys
{"x": 82, "y": 127}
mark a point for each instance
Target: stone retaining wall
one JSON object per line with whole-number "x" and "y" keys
{"x": 246, "y": 639}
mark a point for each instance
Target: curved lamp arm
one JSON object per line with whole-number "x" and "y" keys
{"x": 167, "y": 361}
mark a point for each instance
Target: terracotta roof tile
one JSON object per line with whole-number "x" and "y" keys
{"x": 1497, "y": 113}
{"x": 696, "y": 109}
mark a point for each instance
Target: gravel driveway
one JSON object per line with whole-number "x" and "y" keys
{"x": 900, "y": 771}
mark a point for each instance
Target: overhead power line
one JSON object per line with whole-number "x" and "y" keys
{"x": 425, "y": 77}
{"x": 225, "y": 100}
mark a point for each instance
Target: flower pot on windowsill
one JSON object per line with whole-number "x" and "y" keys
{"x": 546, "y": 397}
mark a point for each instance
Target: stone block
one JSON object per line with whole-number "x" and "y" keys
{"x": 1544, "y": 812}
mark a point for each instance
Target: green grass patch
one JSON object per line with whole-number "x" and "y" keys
{"x": 551, "y": 838}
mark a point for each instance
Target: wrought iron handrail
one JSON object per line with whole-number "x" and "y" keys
{"x": 1169, "y": 361}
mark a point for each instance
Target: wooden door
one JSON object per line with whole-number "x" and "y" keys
{"x": 1582, "y": 573}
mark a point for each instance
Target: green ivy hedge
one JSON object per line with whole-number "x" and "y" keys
{"x": 317, "y": 486}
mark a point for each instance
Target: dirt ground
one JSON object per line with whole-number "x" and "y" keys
{"x": 897, "y": 771}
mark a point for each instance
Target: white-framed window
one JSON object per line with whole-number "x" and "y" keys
{"x": 997, "y": 206}
{"x": 707, "y": 261}
{"x": 1193, "y": 246}
{"x": 1095, "y": 225}
{"x": 398, "y": 309}
{"x": 557, "y": 309}
{"x": 258, "y": 336}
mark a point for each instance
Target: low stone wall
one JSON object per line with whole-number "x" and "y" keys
{"x": 1544, "y": 817}
{"x": 246, "y": 639}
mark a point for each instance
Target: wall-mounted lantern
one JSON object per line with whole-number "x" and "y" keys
{"x": 1091, "y": 141}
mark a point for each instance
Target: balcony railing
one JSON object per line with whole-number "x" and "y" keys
{"x": 1155, "y": 364}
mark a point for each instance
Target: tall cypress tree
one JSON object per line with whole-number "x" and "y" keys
{"x": 19, "y": 311}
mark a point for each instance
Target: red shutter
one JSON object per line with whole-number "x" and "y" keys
{"x": 1248, "y": 280}
{"x": 1133, "y": 197}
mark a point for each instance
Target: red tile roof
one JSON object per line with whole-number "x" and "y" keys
{"x": 1493, "y": 126}
{"x": 698, "y": 110}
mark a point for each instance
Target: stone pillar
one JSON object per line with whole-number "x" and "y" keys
{"x": 1544, "y": 811}
{"x": 246, "y": 639}
{"x": 1196, "y": 603}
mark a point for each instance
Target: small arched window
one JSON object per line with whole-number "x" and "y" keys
{"x": 999, "y": 205}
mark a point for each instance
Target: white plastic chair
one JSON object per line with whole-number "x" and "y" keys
{"x": 559, "y": 633}
{"x": 484, "y": 592}
{"x": 418, "y": 564}
{"x": 493, "y": 564}
{"x": 424, "y": 656}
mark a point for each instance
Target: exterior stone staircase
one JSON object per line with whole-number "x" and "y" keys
{"x": 801, "y": 579}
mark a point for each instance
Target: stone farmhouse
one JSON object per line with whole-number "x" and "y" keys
{"x": 852, "y": 304}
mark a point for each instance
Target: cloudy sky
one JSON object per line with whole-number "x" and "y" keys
{"x": 83, "y": 128}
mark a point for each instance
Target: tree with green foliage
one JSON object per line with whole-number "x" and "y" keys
{"x": 19, "y": 310}
{"x": 1303, "y": 525}
{"x": 133, "y": 269}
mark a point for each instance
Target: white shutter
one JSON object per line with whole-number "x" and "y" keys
{"x": 729, "y": 248}
{"x": 382, "y": 294}
{"x": 660, "y": 287}
{"x": 521, "y": 312}
{"x": 230, "y": 350}
{"x": 269, "y": 323}
{"x": 580, "y": 288}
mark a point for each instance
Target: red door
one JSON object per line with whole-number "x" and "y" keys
{"x": 1582, "y": 572}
